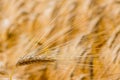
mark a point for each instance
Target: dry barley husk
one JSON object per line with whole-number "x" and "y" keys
{"x": 82, "y": 36}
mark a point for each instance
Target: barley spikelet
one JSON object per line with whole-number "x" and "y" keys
{"x": 36, "y": 59}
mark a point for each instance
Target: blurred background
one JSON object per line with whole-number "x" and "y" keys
{"x": 79, "y": 39}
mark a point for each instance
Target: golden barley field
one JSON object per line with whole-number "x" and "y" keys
{"x": 59, "y": 39}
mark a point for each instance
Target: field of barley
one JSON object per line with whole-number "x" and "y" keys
{"x": 59, "y": 39}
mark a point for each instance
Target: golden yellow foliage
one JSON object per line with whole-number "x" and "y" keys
{"x": 59, "y": 39}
